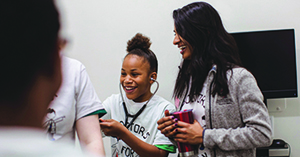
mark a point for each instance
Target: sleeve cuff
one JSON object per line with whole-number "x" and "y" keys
{"x": 202, "y": 145}
{"x": 168, "y": 148}
{"x": 100, "y": 113}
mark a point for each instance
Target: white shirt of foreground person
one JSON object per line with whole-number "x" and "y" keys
{"x": 75, "y": 99}
{"x": 31, "y": 142}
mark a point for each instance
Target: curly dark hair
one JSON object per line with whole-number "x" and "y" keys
{"x": 140, "y": 45}
{"x": 200, "y": 25}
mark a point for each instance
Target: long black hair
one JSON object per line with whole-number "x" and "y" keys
{"x": 200, "y": 25}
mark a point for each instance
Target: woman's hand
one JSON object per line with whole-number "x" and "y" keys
{"x": 188, "y": 133}
{"x": 166, "y": 125}
{"x": 112, "y": 128}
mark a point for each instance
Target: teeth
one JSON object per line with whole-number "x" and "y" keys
{"x": 129, "y": 88}
{"x": 182, "y": 47}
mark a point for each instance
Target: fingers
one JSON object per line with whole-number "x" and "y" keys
{"x": 171, "y": 133}
{"x": 167, "y": 127}
{"x": 101, "y": 120}
{"x": 188, "y": 133}
{"x": 166, "y": 118}
{"x": 167, "y": 113}
{"x": 111, "y": 127}
{"x": 182, "y": 124}
{"x": 180, "y": 135}
{"x": 164, "y": 122}
{"x": 185, "y": 125}
{"x": 106, "y": 123}
{"x": 180, "y": 130}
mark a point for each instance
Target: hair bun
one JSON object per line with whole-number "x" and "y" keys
{"x": 138, "y": 42}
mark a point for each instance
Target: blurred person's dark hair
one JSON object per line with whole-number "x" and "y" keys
{"x": 28, "y": 40}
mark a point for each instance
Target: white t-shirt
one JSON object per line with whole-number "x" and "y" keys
{"x": 198, "y": 107}
{"x": 75, "y": 99}
{"x": 31, "y": 142}
{"x": 145, "y": 125}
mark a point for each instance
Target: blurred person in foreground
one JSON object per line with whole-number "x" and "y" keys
{"x": 31, "y": 76}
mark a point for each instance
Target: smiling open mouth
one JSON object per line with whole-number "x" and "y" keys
{"x": 182, "y": 48}
{"x": 129, "y": 89}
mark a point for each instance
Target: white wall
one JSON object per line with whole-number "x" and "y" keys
{"x": 98, "y": 31}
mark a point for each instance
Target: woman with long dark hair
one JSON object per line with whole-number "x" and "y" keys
{"x": 231, "y": 118}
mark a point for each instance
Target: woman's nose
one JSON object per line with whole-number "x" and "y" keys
{"x": 176, "y": 40}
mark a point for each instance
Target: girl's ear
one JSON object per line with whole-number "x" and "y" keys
{"x": 153, "y": 77}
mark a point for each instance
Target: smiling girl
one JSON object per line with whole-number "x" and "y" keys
{"x": 131, "y": 119}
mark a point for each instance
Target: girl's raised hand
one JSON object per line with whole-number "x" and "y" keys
{"x": 166, "y": 125}
{"x": 188, "y": 133}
